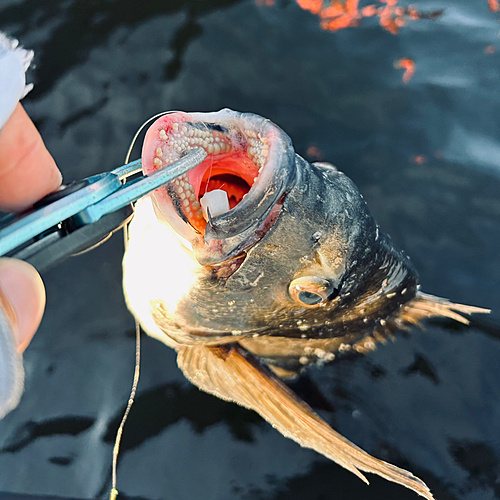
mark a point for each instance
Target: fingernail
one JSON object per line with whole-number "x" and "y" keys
{"x": 22, "y": 289}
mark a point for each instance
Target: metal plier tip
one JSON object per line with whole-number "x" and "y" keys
{"x": 83, "y": 214}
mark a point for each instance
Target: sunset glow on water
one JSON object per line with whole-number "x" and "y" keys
{"x": 337, "y": 15}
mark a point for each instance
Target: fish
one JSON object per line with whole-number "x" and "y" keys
{"x": 257, "y": 264}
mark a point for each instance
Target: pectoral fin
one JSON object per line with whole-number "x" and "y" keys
{"x": 424, "y": 306}
{"x": 233, "y": 374}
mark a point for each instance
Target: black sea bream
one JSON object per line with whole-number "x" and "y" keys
{"x": 256, "y": 263}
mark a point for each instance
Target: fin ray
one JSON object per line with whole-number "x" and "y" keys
{"x": 232, "y": 374}
{"x": 424, "y": 305}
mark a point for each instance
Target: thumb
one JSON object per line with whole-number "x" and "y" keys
{"x": 22, "y": 297}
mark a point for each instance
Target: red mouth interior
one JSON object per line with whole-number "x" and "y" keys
{"x": 234, "y": 186}
{"x": 231, "y": 172}
{"x": 231, "y": 169}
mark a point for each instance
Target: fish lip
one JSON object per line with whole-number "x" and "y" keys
{"x": 275, "y": 178}
{"x": 231, "y": 232}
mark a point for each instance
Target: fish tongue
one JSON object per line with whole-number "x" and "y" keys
{"x": 216, "y": 202}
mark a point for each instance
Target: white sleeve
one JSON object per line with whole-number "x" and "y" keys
{"x": 14, "y": 61}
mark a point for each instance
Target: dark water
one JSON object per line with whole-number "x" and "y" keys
{"x": 426, "y": 157}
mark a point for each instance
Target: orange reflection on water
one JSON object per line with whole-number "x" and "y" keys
{"x": 314, "y": 153}
{"x": 340, "y": 14}
{"x": 408, "y": 65}
{"x": 419, "y": 159}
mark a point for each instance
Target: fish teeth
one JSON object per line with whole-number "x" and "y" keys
{"x": 217, "y": 201}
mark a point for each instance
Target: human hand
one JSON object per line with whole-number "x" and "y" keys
{"x": 27, "y": 173}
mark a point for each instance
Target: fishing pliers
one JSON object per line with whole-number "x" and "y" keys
{"x": 85, "y": 213}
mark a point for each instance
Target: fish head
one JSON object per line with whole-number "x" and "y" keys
{"x": 284, "y": 249}
{"x": 220, "y": 205}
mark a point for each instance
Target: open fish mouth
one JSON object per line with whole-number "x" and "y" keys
{"x": 250, "y": 164}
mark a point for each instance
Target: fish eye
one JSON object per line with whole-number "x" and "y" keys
{"x": 310, "y": 298}
{"x": 311, "y": 291}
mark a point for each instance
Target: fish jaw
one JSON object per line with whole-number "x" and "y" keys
{"x": 249, "y": 160}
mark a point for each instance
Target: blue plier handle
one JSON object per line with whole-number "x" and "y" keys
{"x": 84, "y": 214}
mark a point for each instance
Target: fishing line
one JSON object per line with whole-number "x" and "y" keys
{"x": 141, "y": 128}
{"x": 211, "y": 163}
{"x": 116, "y": 448}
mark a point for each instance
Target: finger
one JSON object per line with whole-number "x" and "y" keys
{"x": 27, "y": 170}
{"x": 11, "y": 363}
{"x": 22, "y": 296}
